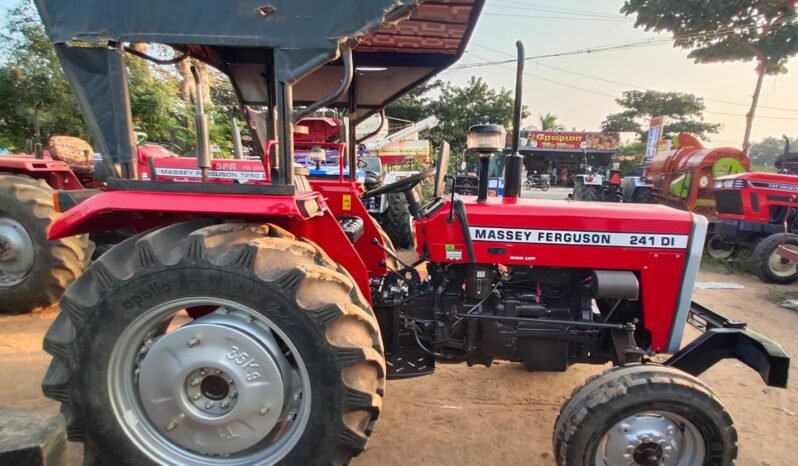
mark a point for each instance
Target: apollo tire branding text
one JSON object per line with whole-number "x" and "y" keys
{"x": 580, "y": 238}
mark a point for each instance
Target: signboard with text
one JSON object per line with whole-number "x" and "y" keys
{"x": 570, "y": 140}
{"x": 655, "y": 130}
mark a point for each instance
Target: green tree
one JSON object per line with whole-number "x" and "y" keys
{"x": 30, "y": 72}
{"x": 684, "y": 112}
{"x": 550, "y": 122}
{"x": 763, "y": 153}
{"x": 458, "y": 108}
{"x": 764, "y": 31}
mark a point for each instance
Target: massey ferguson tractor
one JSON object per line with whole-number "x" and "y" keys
{"x": 256, "y": 323}
{"x": 604, "y": 186}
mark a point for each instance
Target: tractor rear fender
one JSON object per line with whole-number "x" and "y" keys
{"x": 729, "y": 339}
{"x": 304, "y": 214}
{"x": 56, "y": 173}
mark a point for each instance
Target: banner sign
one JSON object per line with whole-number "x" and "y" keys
{"x": 655, "y": 130}
{"x": 564, "y": 140}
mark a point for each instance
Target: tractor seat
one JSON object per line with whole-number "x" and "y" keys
{"x": 352, "y": 226}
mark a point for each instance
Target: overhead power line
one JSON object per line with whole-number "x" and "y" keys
{"x": 641, "y": 88}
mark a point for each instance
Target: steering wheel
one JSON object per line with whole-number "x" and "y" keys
{"x": 404, "y": 185}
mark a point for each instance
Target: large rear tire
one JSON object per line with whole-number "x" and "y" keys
{"x": 644, "y": 414}
{"x": 34, "y": 271}
{"x": 586, "y": 193}
{"x": 771, "y": 267}
{"x": 282, "y": 363}
{"x": 397, "y": 222}
{"x": 643, "y": 196}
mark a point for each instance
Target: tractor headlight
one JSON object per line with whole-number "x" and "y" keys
{"x": 486, "y": 138}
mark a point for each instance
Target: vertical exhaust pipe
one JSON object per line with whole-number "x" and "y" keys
{"x": 514, "y": 161}
{"x": 238, "y": 150}
{"x": 201, "y": 127}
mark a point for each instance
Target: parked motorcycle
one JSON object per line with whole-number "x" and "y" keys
{"x": 535, "y": 181}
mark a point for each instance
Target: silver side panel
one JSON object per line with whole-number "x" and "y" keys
{"x": 695, "y": 250}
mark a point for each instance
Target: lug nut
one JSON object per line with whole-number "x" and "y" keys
{"x": 263, "y": 411}
{"x": 172, "y": 426}
{"x": 217, "y": 372}
{"x": 225, "y": 404}
{"x": 196, "y": 396}
{"x": 193, "y": 342}
{"x": 195, "y": 381}
{"x": 209, "y": 405}
{"x": 203, "y": 371}
{"x": 233, "y": 395}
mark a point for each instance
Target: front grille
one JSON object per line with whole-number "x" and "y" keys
{"x": 729, "y": 202}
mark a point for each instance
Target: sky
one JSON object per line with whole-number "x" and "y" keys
{"x": 583, "y": 102}
{"x": 542, "y": 28}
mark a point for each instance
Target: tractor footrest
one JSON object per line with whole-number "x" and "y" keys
{"x": 352, "y": 226}
{"x": 409, "y": 362}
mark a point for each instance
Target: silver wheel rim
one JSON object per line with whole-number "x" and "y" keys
{"x": 16, "y": 252}
{"x": 652, "y": 439}
{"x": 229, "y": 388}
{"x": 781, "y": 266}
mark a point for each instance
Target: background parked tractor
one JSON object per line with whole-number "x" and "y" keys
{"x": 256, "y": 323}
{"x": 603, "y": 186}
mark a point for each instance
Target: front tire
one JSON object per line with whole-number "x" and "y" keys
{"x": 718, "y": 248}
{"x": 34, "y": 271}
{"x": 644, "y": 414}
{"x": 771, "y": 267}
{"x": 266, "y": 307}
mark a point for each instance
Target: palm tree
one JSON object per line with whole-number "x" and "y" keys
{"x": 548, "y": 122}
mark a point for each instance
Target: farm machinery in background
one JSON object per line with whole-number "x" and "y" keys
{"x": 257, "y": 322}
{"x": 759, "y": 211}
{"x": 684, "y": 178}
{"x": 382, "y": 159}
{"x": 603, "y": 186}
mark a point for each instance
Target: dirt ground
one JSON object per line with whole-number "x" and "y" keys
{"x": 498, "y": 415}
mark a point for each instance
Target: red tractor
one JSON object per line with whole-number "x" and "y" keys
{"x": 256, "y": 323}
{"x": 758, "y": 211}
{"x": 35, "y": 271}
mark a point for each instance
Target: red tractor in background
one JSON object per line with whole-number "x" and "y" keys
{"x": 256, "y": 323}
{"x": 34, "y": 271}
{"x": 759, "y": 211}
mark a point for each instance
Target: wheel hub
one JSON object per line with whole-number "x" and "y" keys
{"x": 219, "y": 384}
{"x": 16, "y": 252}
{"x": 782, "y": 266}
{"x": 651, "y": 439}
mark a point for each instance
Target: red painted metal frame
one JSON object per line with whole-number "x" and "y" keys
{"x": 335, "y": 193}
{"x": 771, "y": 189}
{"x": 147, "y": 209}
{"x": 657, "y": 269}
{"x": 57, "y": 174}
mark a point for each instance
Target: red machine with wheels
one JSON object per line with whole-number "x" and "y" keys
{"x": 257, "y": 323}
{"x": 758, "y": 211}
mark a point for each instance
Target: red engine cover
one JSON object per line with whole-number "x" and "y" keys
{"x": 651, "y": 240}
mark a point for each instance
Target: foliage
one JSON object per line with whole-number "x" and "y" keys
{"x": 764, "y": 152}
{"x": 30, "y": 72}
{"x": 458, "y": 108}
{"x": 550, "y": 122}
{"x": 764, "y": 31}
{"x": 684, "y": 112}
{"x": 631, "y": 155}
